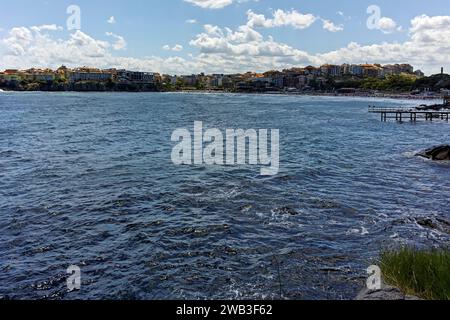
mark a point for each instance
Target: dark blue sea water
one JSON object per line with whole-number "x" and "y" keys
{"x": 86, "y": 179}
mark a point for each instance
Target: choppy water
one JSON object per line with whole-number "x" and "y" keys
{"x": 87, "y": 179}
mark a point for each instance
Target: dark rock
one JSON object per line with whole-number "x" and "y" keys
{"x": 286, "y": 211}
{"x": 426, "y": 223}
{"x": 438, "y": 153}
{"x": 438, "y": 224}
{"x": 384, "y": 294}
{"x": 434, "y": 107}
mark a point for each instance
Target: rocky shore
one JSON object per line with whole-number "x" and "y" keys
{"x": 82, "y": 86}
{"x": 92, "y": 86}
{"x": 386, "y": 293}
{"x": 438, "y": 153}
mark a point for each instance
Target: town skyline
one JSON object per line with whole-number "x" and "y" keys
{"x": 363, "y": 69}
{"x": 223, "y": 36}
{"x": 345, "y": 78}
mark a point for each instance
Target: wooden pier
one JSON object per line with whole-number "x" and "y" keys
{"x": 411, "y": 114}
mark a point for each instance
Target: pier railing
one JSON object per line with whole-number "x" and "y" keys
{"x": 390, "y": 110}
{"x": 399, "y": 114}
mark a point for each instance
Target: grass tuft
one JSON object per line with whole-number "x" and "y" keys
{"x": 422, "y": 273}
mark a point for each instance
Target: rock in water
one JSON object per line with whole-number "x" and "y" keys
{"x": 385, "y": 294}
{"x": 438, "y": 153}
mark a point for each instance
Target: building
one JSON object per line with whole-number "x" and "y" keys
{"x": 372, "y": 70}
{"x": 310, "y": 70}
{"x": 278, "y": 81}
{"x": 191, "y": 80}
{"x": 356, "y": 70}
{"x": 89, "y": 74}
{"x": 39, "y": 75}
{"x": 396, "y": 69}
{"x": 11, "y": 75}
{"x": 331, "y": 70}
{"x": 126, "y": 76}
{"x": 406, "y": 68}
{"x": 419, "y": 74}
{"x": 215, "y": 80}
{"x": 345, "y": 69}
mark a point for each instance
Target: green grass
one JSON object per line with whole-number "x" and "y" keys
{"x": 422, "y": 273}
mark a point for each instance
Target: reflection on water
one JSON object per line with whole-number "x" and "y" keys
{"x": 87, "y": 180}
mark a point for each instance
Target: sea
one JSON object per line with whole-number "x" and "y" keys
{"x": 87, "y": 180}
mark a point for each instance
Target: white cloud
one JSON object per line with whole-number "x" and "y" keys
{"x": 175, "y": 48}
{"x": 211, "y": 4}
{"x": 215, "y": 4}
{"x": 281, "y": 18}
{"x": 120, "y": 43}
{"x": 330, "y": 26}
{"x": 244, "y": 44}
{"x": 47, "y": 27}
{"x": 224, "y": 50}
{"x": 387, "y": 25}
{"x": 111, "y": 20}
{"x": 191, "y": 21}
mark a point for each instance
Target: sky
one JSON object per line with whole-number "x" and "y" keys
{"x": 223, "y": 36}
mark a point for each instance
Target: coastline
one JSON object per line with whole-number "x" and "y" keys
{"x": 378, "y": 95}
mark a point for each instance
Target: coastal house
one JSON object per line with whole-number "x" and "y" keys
{"x": 137, "y": 77}
{"x": 40, "y": 75}
{"x": 372, "y": 70}
{"x": 397, "y": 69}
{"x": 215, "y": 80}
{"x": 331, "y": 70}
{"x": 313, "y": 71}
{"x": 190, "y": 80}
{"x": 11, "y": 75}
{"x": 356, "y": 70}
{"x": 89, "y": 74}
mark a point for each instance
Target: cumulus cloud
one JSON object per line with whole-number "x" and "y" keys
{"x": 281, "y": 18}
{"x": 191, "y": 21}
{"x": 225, "y": 50}
{"x": 330, "y": 26}
{"x": 211, "y": 4}
{"x": 215, "y": 4}
{"x": 47, "y": 27}
{"x": 176, "y": 48}
{"x": 120, "y": 43}
{"x": 387, "y": 25}
{"x": 111, "y": 20}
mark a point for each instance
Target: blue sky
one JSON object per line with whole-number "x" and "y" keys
{"x": 152, "y": 30}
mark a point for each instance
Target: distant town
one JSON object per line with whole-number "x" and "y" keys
{"x": 339, "y": 79}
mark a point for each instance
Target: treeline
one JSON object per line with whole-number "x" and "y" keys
{"x": 401, "y": 82}
{"x": 77, "y": 86}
